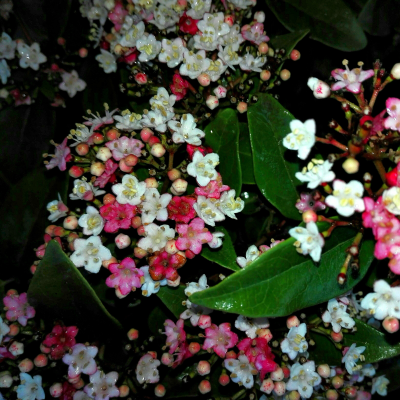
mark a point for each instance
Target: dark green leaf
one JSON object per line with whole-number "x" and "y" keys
{"x": 222, "y": 135}
{"x": 225, "y": 255}
{"x": 173, "y": 298}
{"x": 281, "y": 281}
{"x": 251, "y": 203}
{"x": 246, "y": 156}
{"x": 324, "y": 351}
{"x": 156, "y": 319}
{"x": 47, "y": 89}
{"x": 379, "y": 345}
{"x": 59, "y": 291}
{"x": 330, "y": 22}
{"x": 274, "y": 173}
{"x": 31, "y": 19}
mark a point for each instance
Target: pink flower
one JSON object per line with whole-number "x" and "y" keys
{"x": 68, "y": 391}
{"x": 117, "y": 15}
{"x": 5, "y": 353}
{"x": 60, "y": 340}
{"x": 393, "y": 109}
{"x": 164, "y": 265}
{"x": 108, "y": 175}
{"x": 18, "y": 308}
{"x": 117, "y": 216}
{"x": 180, "y": 209}
{"x": 351, "y": 80}
{"x": 255, "y": 33}
{"x": 191, "y": 149}
{"x": 188, "y": 24}
{"x": 176, "y": 335}
{"x": 20, "y": 98}
{"x": 125, "y": 276}
{"x": 213, "y": 189}
{"x": 220, "y": 338}
{"x": 62, "y": 156}
{"x": 129, "y": 57}
{"x": 263, "y": 248}
{"x": 124, "y": 146}
{"x": 182, "y": 353}
{"x": 179, "y": 87}
{"x": 193, "y": 236}
{"x": 308, "y": 201}
{"x": 392, "y": 177}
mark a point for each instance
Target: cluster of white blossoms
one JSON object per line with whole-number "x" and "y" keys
{"x": 337, "y": 316}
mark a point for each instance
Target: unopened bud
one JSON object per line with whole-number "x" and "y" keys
{"x": 267, "y": 386}
{"x": 16, "y": 348}
{"x": 391, "y": 324}
{"x": 61, "y": 41}
{"x": 204, "y": 79}
{"x": 265, "y": 75}
{"x": 309, "y": 216}
{"x": 153, "y": 140}
{"x": 204, "y": 321}
{"x": 133, "y": 334}
{"x": 259, "y": 16}
{"x": 25, "y": 365}
{"x": 285, "y": 74}
{"x": 280, "y": 388}
{"x": 14, "y": 330}
{"x": 292, "y": 321}
{"x": 277, "y": 375}
{"x": 350, "y": 392}
{"x": 167, "y": 359}
{"x": 242, "y": 107}
{"x": 212, "y": 102}
{"x": 112, "y": 134}
{"x": 220, "y": 92}
{"x": 231, "y": 355}
{"x": 6, "y": 380}
{"x": 56, "y": 390}
{"x": 41, "y": 360}
{"x": 136, "y": 222}
{"x": 224, "y": 379}
{"x": 351, "y": 165}
{"x": 139, "y": 253}
{"x": 174, "y": 174}
{"x": 170, "y": 247}
{"x": 131, "y": 160}
{"x": 179, "y": 186}
{"x": 157, "y": 150}
{"x": 97, "y": 138}
{"x": 294, "y": 395}
{"x": 321, "y": 90}
{"x": 141, "y": 78}
{"x": 122, "y": 241}
{"x": 109, "y": 199}
{"x": 82, "y": 149}
{"x": 337, "y": 337}
{"x": 263, "y": 48}
{"x": 70, "y": 222}
{"x": 204, "y": 387}
{"x": 106, "y": 263}
{"x": 265, "y": 333}
{"x": 83, "y": 52}
{"x": 337, "y": 382}
{"x": 124, "y": 167}
{"x": 123, "y": 390}
{"x": 332, "y": 394}
{"x": 76, "y": 172}
{"x": 295, "y": 55}
{"x": 395, "y": 72}
{"x": 324, "y": 370}
{"x": 203, "y": 368}
{"x": 104, "y": 154}
{"x": 97, "y": 169}
{"x": 230, "y": 20}
{"x": 151, "y": 183}
{"x": 160, "y": 390}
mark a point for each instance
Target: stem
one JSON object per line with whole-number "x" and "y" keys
{"x": 171, "y": 160}
{"x": 349, "y": 103}
{"x": 381, "y": 169}
{"x": 333, "y": 142}
{"x": 238, "y": 394}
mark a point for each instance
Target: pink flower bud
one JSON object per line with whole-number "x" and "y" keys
{"x": 109, "y": 198}
{"x": 167, "y": 359}
{"x": 170, "y": 247}
{"x": 267, "y": 386}
{"x": 123, "y": 390}
{"x": 97, "y": 138}
{"x": 157, "y": 150}
{"x": 83, "y": 52}
{"x": 203, "y": 368}
{"x": 280, "y": 388}
{"x": 295, "y": 55}
{"x": 265, "y": 333}
{"x": 146, "y": 134}
{"x": 44, "y": 349}
{"x": 133, "y": 334}
{"x": 80, "y": 384}
{"x": 324, "y": 370}
{"x": 59, "y": 231}
{"x": 194, "y": 347}
{"x": 277, "y": 375}
{"x": 141, "y": 78}
{"x": 160, "y": 390}
{"x": 174, "y": 282}
{"x": 104, "y": 154}
{"x": 220, "y": 92}
{"x": 25, "y": 365}
{"x": 321, "y": 90}
{"x": 122, "y": 241}
{"x": 179, "y": 186}
{"x": 286, "y": 372}
{"x": 139, "y": 253}
{"x": 204, "y": 387}
{"x": 285, "y": 74}
{"x": 74, "y": 380}
{"x": 16, "y": 348}
{"x": 6, "y": 379}
{"x": 391, "y": 324}
{"x": 56, "y": 390}
{"x": 265, "y": 75}
{"x": 212, "y": 102}
{"x": 337, "y": 337}
{"x": 49, "y": 230}
{"x": 204, "y": 321}
{"x": 337, "y": 382}
{"x": 292, "y": 321}
{"x": 131, "y": 160}
{"x": 136, "y": 222}
{"x": 76, "y": 172}
{"x": 106, "y": 263}
{"x": 82, "y": 149}
{"x": 204, "y": 79}
{"x": 350, "y": 392}
{"x": 309, "y": 216}
{"x": 141, "y": 231}
{"x": 61, "y": 41}
{"x": 174, "y": 174}
{"x": 351, "y": 165}
{"x": 231, "y": 355}
{"x": 119, "y": 294}
{"x": 112, "y": 134}
{"x": 242, "y": 107}
{"x": 14, "y": 330}
{"x": 224, "y": 379}
{"x": 263, "y": 48}
{"x": 40, "y": 360}
{"x": 395, "y": 72}
{"x": 332, "y": 394}
{"x": 230, "y": 20}
{"x": 259, "y": 16}
{"x": 153, "y": 140}
{"x": 124, "y": 167}
{"x": 70, "y": 222}
{"x": 151, "y": 183}
{"x": 97, "y": 168}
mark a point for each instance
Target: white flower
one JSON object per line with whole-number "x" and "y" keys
{"x": 81, "y": 134}
{"x": 391, "y": 200}
{"x": 57, "y": 209}
{"x": 6, "y": 7}
{"x": 242, "y": 4}
{"x": 301, "y": 138}
{"x": 81, "y": 360}
{"x": 5, "y": 71}
{"x": 207, "y": 209}
{"x": 7, "y": 47}
{"x": 346, "y": 198}
{"x": 150, "y": 286}
{"x": 351, "y": 357}
{"x": 91, "y": 222}
{"x": 96, "y": 121}
{"x": 229, "y": 56}
{"x": 198, "y": 8}
{"x": 164, "y": 17}
{"x": 156, "y": 119}
{"x": 107, "y": 61}
{"x": 135, "y": 32}
{"x": 171, "y": 52}
{"x": 186, "y": 131}
{"x": 252, "y": 254}
{"x": 303, "y": 378}
{"x": 83, "y": 190}
{"x": 233, "y": 39}
{"x": 30, "y": 56}
{"x": 211, "y": 27}
{"x": 384, "y": 302}
{"x": 249, "y": 63}
{"x": 379, "y": 385}
{"x": 102, "y": 386}
{"x": 295, "y": 342}
{"x": 229, "y": 205}
{"x": 367, "y": 370}
{"x": 216, "y": 69}
{"x": 90, "y": 253}
{"x": 98, "y": 12}
{"x": 128, "y": 121}
{"x": 129, "y": 191}
{"x": 316, "y": 172}
{"x": 146, "y": 369}
{"x": 203, "y": 167}
{"x": 4, "y": 329}
{"x": 156, "y": 237}
{"x": 149, "y": 48}
{"x": 71, "y": 83}
{"x": 30, "y": 388}
{"x": 154, "y": 206}
{"x": 216, "y": 240}
{"x": 194, "y": 63}
{"x": 194, "y": 287}
{"x": 163, "y": 102}
{"x": 251, "y": 326}
{"x": 308, "y": 240}
{"x": 194, "y": 312}
{"x": 337, "y": 316}
{"x": 242, "y": 371}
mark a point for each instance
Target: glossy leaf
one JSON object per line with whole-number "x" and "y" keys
{"x": 173, "y": 298}
{"x": 330, "y": 22}
{"x": 222, "y": 135}
{"x": 281, "y": 281}
{"x": 224, "y": 255}
{"x": 324, "y": 351}
{"x": 274, "y": 166}
{"x": 59, "y": 291}
{"x": 246, "y": 155}
{"x": 251, "y": 203}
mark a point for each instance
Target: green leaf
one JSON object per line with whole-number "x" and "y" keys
{"x": 281, "y": 281}
{"x": 246, "y": 155}
{"x": 324, "y": 351}
{"x": 173, "y": 298}
{"x": 379, "y": 345}
{"x": 224, "y": 255}
{"x": 222, "y": 135}
{"x": 330, "y": 22}
{"x": 156, "y": 319}
{"x": 274, "y": 173}
{"x": 59, "y": 291}
{"x": 47, "y": 89}
{"x": 251, "y": 203}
